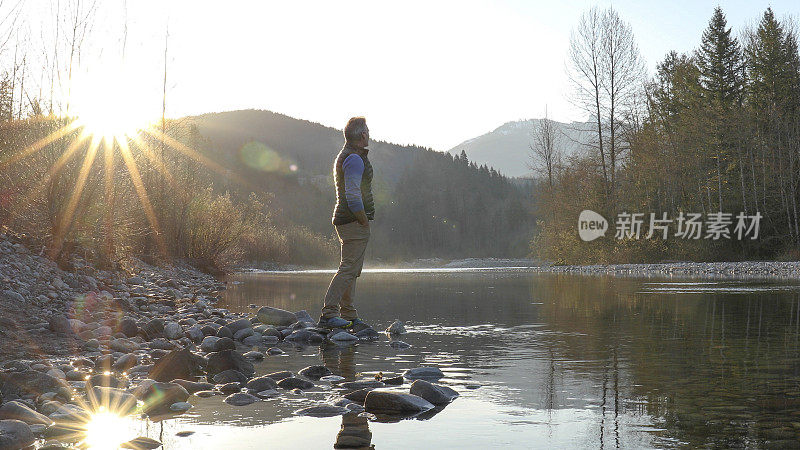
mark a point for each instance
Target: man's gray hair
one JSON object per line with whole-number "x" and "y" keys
{"x": 355, "y": 126}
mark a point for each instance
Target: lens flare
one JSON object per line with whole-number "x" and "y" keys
{"x": 260, "y": 157}
{"x": 107, "y": 430}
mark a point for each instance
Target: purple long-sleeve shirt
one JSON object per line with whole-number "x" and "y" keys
{"x": 353, "y": 167}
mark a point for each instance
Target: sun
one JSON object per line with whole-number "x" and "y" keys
{"x": 110, "y": 102}
{"x": 106, "y": 430}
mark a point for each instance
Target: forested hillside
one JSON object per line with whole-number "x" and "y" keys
{"x": 429, "y": 204}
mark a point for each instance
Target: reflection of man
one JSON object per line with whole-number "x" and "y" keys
{"x": 354, "y": 209}
{"x": 355, "y": 430}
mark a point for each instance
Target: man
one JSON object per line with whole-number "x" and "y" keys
{"x": 354, "y": 209}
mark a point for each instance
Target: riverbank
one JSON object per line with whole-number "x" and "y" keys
{"x": 735, "y": 269}
{"x": 738, "y": 269}
{"x": 82, "y": 342}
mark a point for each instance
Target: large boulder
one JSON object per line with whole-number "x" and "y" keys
{"x": 177, "y": 364}
{"x": 15, "y": 434}
{"x": 434, "y": 393}
{"x": 228, "y": 359}
{"x": 395, "y": 403}
{"x": 275, "y": 316}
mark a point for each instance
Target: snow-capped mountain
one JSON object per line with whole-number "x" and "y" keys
{"x": 507, "y": 148}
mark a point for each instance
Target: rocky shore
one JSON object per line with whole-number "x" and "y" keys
{"x": 723, "y": 270}
{"x": 81, "y": 341}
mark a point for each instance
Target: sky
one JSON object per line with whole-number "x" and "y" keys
{"x": 432, "y": 73}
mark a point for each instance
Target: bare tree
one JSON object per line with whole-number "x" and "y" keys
{"x": 623, "y": 80}
{"x": 606, "y": 72}
{"x": 544, "y": 148}
{"x": 585, "y": 71}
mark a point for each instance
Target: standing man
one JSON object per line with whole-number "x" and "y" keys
{"x": 354, "y": 209}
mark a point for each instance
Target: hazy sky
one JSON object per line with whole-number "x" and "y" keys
{"x": 430, "y": 72}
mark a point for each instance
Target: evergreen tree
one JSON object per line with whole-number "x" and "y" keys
{"x": 720, "y": 61}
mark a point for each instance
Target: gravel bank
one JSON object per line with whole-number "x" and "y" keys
{"x": 740, "y": 269}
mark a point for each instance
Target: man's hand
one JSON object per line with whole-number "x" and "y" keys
{"x": 361, "y": 216}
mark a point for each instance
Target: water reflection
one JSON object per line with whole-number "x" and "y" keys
{"x": 563, "y": 360}
{"x": 354, "y": 432}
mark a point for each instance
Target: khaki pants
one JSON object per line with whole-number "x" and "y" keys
{"x": 353, "y": 238}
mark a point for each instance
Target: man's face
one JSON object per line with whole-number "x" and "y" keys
{"x": 365, "y": 138}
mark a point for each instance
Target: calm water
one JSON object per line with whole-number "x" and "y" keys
{"x": 540, "y": 361}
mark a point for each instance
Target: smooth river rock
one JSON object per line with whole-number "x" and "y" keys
{"x": 15, "y": 434}
{"x": 240, "y": 399}
{"x": 434, "y": 393}
{"x": 387, "y": 402}
{"x": 295, "y": 383}
{"x": 19, "y": 411}
{"x": 228, "y": 359}
{"x": 262, "y": 384}
{"x": 275, "y": 316}
{"x": 315, "y": 372}
{"x": 423, "y": 373}
{"x": 396, "y": 328}
{"x": 322, "y": 411}
{"x": 181, "y": 364}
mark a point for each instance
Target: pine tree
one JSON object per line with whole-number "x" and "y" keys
{"x": 772, "y": 66}
{"x": 720, "y": 62}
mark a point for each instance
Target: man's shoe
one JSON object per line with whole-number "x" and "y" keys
{"x": 334, "y": 322}
{"x": 359, "y": 325}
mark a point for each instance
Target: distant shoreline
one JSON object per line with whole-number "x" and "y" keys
{"x": 730, "y": 270}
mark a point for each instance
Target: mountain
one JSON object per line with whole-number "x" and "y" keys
{"x": 428, "y": 203}
{"x": 507, "y": 148}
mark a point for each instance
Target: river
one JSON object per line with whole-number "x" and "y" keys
{"x": 539, "y": 360}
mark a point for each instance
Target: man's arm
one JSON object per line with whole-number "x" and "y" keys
{"x": 353, "y": 167}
